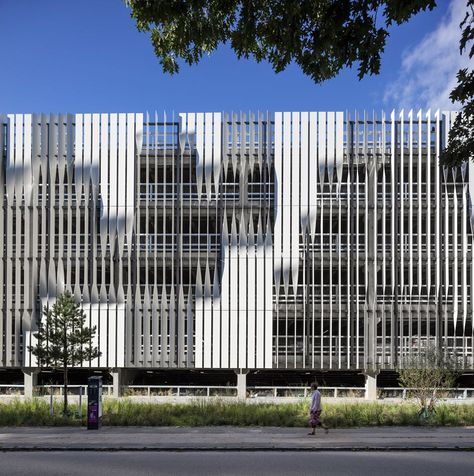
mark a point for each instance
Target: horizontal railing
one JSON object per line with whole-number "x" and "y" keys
{"x": 403, "y": 393}
{"x": 40, "y": 390}
{"x": 231, "y": 391}
{"x": 303, "y": 392}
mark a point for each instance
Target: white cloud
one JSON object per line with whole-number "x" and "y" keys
{"x": 428, "y": 71}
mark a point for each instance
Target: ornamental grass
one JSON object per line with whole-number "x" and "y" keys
{"x": 125, "y": 412}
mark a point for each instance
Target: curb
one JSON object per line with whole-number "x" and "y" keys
{"x": 253, "y": 449}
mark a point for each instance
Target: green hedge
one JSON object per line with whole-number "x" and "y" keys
{"x": 338, "y": 415}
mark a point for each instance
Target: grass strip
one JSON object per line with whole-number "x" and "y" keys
{"x": 125, "y": 412}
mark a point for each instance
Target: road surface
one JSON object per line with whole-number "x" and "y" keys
{"x": 429, "y": 463}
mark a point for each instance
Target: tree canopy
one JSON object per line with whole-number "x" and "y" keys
{"x": 461, "y": 135}
{"x": 321, "y": 36}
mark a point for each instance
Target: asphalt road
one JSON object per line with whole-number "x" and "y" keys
{"x": 430, "y": 463}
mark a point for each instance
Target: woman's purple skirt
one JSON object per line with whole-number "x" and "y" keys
{"x": 314, "y": 418}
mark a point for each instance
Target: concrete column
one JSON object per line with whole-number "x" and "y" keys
{"x": 371, "y": 386}
{"x": 120, "y": 377}
{"x": 30, "y": 381}
{"x": 241, "y": 384}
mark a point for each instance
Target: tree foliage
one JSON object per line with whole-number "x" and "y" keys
{"x": 320, "y": 36}
{"x": 461, "y": 135}
{"x": 427, "y": 373}
{"x": 63, "y": 340}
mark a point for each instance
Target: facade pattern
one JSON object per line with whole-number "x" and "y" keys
{"x": 322, "y": 240}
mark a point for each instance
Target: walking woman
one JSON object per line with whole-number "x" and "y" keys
{"x": 315, "y": 410}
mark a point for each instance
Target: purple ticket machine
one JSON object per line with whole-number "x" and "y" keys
{"x": 94, "y": 403}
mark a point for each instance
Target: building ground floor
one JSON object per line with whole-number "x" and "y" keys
{"x": 241, "y": 383}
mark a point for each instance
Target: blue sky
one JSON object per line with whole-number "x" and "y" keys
{"x": 87, "y": 56}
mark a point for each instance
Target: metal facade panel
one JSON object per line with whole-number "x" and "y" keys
{"x": 278, "y": 196}
{"x": 313, "y": 171}
{"x": 297, "y": 240}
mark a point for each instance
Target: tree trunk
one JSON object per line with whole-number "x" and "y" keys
{"x": 65, "y": 391}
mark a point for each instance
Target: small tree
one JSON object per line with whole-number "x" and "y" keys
{"x": 426, "y": 373}
{"x": 63, "y": 340}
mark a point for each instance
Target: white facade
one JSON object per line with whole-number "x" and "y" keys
{"x": 317, "y": 240}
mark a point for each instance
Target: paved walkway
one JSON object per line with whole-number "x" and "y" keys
{"x": 234, "y": 439}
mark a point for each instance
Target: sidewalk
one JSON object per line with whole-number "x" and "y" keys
{"x": 234, "y": 439}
